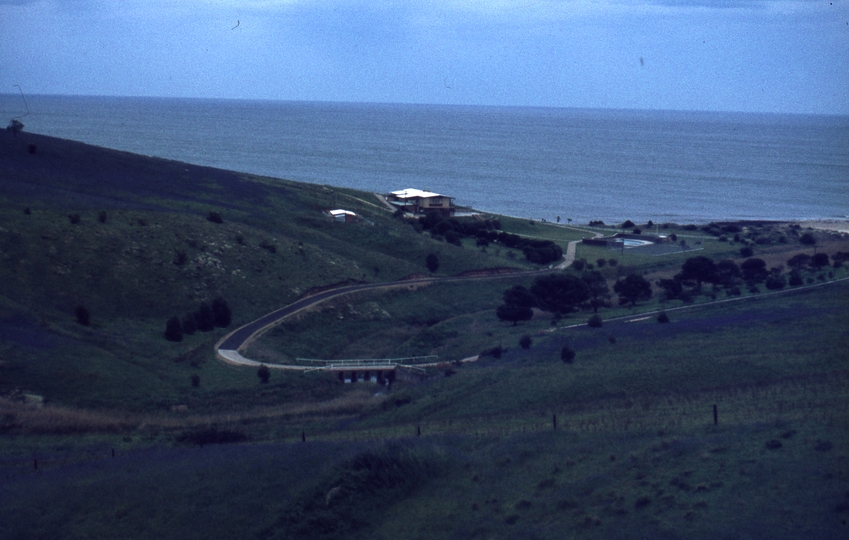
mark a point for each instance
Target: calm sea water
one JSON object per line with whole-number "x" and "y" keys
{"x": 528, "y": 162}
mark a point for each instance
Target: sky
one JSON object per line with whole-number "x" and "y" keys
{"x": 784, "y": 56}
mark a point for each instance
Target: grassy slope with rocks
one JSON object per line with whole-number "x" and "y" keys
{"x": 635, "y": 453}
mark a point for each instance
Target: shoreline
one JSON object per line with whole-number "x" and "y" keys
{"x": 834, "y": 225}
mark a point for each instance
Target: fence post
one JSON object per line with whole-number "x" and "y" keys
{"x": 554, "y": 422}
{"x": 715, "y": 420}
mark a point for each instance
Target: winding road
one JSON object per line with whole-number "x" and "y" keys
{"x": 229, "y": 347}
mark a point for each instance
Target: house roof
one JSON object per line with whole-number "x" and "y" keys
{"x": 412, "y": 193}
{"x": 340, "y": 212}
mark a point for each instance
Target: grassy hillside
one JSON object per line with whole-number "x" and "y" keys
{"x": 152, "y": 435}
{"x": 128, "y": 238}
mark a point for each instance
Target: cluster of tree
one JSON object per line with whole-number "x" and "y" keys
{"x": 488, "y": 231}
{"x": 696, "y": 271}
{"x": 204, "y": 319}
{"x": 454, "y": 230}
{"x": 565, "y": 293}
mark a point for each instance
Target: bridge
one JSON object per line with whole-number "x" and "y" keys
{"x": 379, "y": 370}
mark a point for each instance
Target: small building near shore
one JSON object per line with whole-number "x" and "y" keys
{"x": 417, "y": 201}
{"x": 345, "y": 216}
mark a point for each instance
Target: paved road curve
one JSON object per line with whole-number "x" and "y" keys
{"x": 228, "y": 347}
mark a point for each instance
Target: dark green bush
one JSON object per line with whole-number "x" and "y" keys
{"x": 263, "y": 373}
{"x": 82, "y": 315}
{"x": 174, "y": 329}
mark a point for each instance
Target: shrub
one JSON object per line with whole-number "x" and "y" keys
{"x": 268, "y": 246}
{"x": 221, "y": 313}
{"x": 601, "y": 262}
{"x": 595, "y": 322}
{"x": 74, "y": 218}
{"x": 195, "y": 380}
{"x": 774, "y": 282}
{"x": 807, "y": 239}
{"x": 746, "y": 251}
{"x": 628, "y": 224}
{"x": 432, "y": 262}
{"x": 173, "y": 329}
{"x": 612, "y": 262}
{"x": 102, "y": 217}
{"x": 263, "y": 373}
{"x": 567, "y": 354}
{"x": 189, "y": 325}
{"x": 579, "y": 264}
{"x": 525, "y": 342}
{"x": 82, "y": 315}
{"x": 204, "y": 318}
{"x": 494, "y": 352}
{"x": 662, "y": 317}
{"x": 215, "y": 217}
{"x": 180, "y": 258}
{"x": 795, "y": 279}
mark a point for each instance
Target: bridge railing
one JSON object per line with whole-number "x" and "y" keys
{"x": 370, "y": 362}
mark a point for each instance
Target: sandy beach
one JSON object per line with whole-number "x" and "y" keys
{"x": 836, "y": 225}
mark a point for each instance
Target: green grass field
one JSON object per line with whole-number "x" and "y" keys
{"x": 109, "y": 430}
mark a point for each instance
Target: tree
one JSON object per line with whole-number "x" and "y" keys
{"x": 775, "y": 282}
{"x": 525, "y": 342}
{"x": 839, "y": 258}
{"x": 701, "y": 269}
{"x": 754, "y": 270}
{"x": 215, "y": 217}
{"x": 800, "y": 261}
{"x": 728, "y": 273}
{"x": 597, "y": 286}
{"x": 195, "y": 380}
{"x": 672, "y": 288}
{"x": 432, "y": 262}
{"x": 15, "y": 126}
{"x": 263, "y": 373}
{"x": 746, "y": 251}
{"x": 514, "y": 313}
{"x": 204, "y": 318}
{"x": 819, "y": 260}
{"x": 808, "y": 239}
{"x": 82, "y": 315}
{"x": 519, "y": 296}
{"x": 634, "y": 287}
{"x": 559, "y": 293}
{"x": 567, "y": 354}
{"x": 221, "y": 313}
{"x": 662, "y": 317}
{"x": 173, "y": 329}
{"x": 595, "y": 322}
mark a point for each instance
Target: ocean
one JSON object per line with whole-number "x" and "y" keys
{"x": 537, "y": 163}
